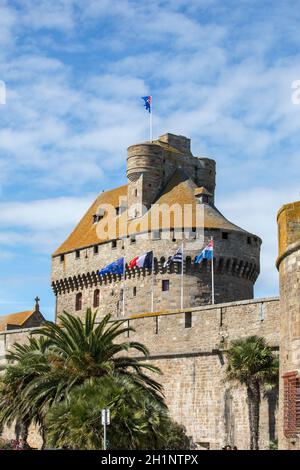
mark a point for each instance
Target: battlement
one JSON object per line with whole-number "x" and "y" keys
{"x": 179, "y": 142}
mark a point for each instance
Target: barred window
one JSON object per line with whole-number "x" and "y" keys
{"x": 291, "y": 412}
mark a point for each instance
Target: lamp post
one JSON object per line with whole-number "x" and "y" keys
{"x": 105, "y": 414}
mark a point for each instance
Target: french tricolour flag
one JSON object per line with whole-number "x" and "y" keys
{"x": 143, "y": 261}
{"x": 206, "y": 253}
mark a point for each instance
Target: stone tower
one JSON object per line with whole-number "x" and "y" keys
{"x": 163, "y": 174}
{"x": 288, "y": 264}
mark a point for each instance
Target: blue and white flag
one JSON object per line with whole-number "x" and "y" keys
{"x": 148, "y": 101}
{"x": 117, "y": 267}
{"x": 206, "y": 253}
{"x": 177, "y": 258}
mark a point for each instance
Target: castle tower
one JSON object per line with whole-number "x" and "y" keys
{"x": 288, "y": 264}
{"x": 150, "y": 166}
{"x": 161, "y": 174}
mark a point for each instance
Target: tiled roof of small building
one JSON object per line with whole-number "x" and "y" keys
{"x": 84, "y": 234}
{"x": 15, "y": 319}
{"x": 179, "y": 190}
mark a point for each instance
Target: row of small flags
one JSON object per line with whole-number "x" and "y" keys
{"x": 146, "y": 260}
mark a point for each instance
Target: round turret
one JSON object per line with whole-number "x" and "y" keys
{"x": 144, "y": 159}
{"x": 206, "y": 174}
{"x": 288, "y": 264}
{"x": 144, "y": 172}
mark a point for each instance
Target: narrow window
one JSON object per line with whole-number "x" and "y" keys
{"x": 96, "y": 249}
{"x": 188, "y": 320}
{"x": 121, "y": 294}
{"x": 134, "y": 292}
{"x": 62, "y": 258}
{"x": 225, "y": 235}
{"x": 249, "y": 240}
{"x": 135, "y": 192}
{"x": 78, "y": 301}
{"x": 165, "y": 285}
{"x": 96, "y": 301}
{"x": 117, "y": 210}
{"x": 77, "y": 254}
{"x": 132, "y": 239}
{"x": 114, "y": 244}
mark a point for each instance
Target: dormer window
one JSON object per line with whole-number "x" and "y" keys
{"x": 98, "y": 216}
{"x": 203, "y": 196}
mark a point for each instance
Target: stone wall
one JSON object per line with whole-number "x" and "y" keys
{"x": 236, "y": 266}
{"x": 193, "y": 363}
{"x": 289, "y": 274}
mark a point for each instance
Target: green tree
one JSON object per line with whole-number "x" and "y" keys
{"x": 43, "y": 372}
{"x": 252, "y": 363}
{"x": 138, "y": 420}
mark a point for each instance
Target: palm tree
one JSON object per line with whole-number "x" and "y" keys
{"x": 43, "y": 372}
{"x": 138, "y": 420}
{"x": 251, "y": 362}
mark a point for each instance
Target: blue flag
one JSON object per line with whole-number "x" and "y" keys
{"x": 148, "y": 100}
{"x": 206, "y": 253}
{"x": 117, "y": 267}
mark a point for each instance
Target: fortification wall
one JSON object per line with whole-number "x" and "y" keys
{"x": 192, "y": 360}
{"x": 193, "y": 364}
{"x": 289, "y": 274}
{"x": 236, "y": 268}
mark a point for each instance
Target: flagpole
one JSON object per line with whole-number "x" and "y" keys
{"x": 151, "y": 120}
{"x": 212, "y": 277}
{"x": 124, "y": 278}
{"x": 152, "y": 286}
{"x": 182, "y": 261}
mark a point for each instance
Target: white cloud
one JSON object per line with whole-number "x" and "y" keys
{"x": 256, "y": 210}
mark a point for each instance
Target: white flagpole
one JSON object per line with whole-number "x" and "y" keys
{"x": 151, "y": 120}
{"x": 152, "y": 286}
{"x": 124, "y": 278}
{"x": 182, "y": 261}
{"x": 212, "y": 277}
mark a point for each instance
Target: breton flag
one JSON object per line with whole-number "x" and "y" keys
{"x": 177, "y": 258}
{"x": 148, "y": 101}
{"x": 143, "y": 261}
{"x": 206, "y": 253}
{"x": 117, "y": 267}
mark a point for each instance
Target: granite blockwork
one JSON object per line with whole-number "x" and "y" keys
{"x": 186, "y": 335}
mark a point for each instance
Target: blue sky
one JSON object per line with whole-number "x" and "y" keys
{"x": 220, "y": 72}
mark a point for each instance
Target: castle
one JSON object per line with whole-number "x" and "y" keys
{"x": 186, "y": 313}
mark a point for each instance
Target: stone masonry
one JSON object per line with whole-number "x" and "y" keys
{"x": 161, "y": 174}
{"x": 191, "y": 357}
{"x": 288, "y": 263}
{"x": 188, "y": 344}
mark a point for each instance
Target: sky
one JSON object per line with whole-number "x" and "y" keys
{"x": 220, "y": 72}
